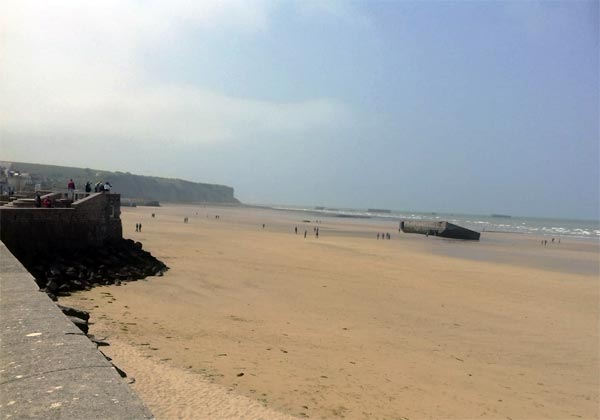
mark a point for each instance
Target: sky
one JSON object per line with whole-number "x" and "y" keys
{"x": 466, "y": 107}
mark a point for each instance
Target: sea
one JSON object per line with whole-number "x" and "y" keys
{"x": 585, "y": 229}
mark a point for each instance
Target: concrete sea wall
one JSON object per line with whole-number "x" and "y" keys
{"x": 92, "y": 221}
{"x": 48, "y": 368}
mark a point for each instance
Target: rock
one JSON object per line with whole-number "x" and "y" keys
{"x": 67, "y": 310}
{"x": 76, "y": 284}
{"x": 52, "y": 285}
{"x": 98, "y": 342}
{"x": 121, "y": 372}
{"x": 81, "y": 324}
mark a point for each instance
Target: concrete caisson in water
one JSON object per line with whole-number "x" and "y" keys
{"x": 441, "y": 228}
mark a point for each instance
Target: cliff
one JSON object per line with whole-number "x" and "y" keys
{"x": 130, "y": 186}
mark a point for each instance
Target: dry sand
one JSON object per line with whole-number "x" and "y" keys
{"x": 346, "y": 326}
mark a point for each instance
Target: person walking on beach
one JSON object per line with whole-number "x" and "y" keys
{"x": 140, "y": 227}
{"x": 377, "y": 235}
{"x": 317, "y": 233}
{"x": 304, "y": 233}
{"x": 296, "y": 230}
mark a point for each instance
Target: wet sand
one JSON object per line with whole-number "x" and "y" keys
{"x": 262, "y": 323}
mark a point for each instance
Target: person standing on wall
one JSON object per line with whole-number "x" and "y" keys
{"x": 71, "y": 189}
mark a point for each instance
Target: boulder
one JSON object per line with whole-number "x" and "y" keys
{"x": 80, "y": 323}
{"x": 72, "y": 312}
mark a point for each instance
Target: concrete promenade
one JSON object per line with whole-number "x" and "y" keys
{"x": 48, "y": 368}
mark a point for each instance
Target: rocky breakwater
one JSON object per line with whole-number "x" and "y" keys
{"x": 60, "y": 273}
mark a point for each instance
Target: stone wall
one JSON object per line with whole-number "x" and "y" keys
{"x": 92, "y": 221}
{"x": 48, "y": 368}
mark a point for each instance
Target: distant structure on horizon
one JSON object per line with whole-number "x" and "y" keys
{"x": 442, "y": 229}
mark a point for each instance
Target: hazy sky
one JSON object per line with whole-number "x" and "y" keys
{"x": 478, "y": 107}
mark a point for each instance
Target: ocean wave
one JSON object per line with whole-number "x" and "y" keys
{"x": 545, "y": 227}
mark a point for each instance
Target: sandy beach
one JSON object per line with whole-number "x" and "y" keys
{"x": 262, "y": 323}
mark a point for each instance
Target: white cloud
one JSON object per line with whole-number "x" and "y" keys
{"x": 74, "y": 67}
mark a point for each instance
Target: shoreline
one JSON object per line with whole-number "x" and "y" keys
{"x": 349, "y": 326}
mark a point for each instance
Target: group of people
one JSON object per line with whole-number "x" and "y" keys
{"x": 98, "y": 187}
{"x": 545, "y": 241}
{"x": 138, "y": 227}
{"x": 383, "y": 235}
{"x": 45, "y": 203}
{"x": 102, "y": 186}
{"x": 315, "y": 231}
